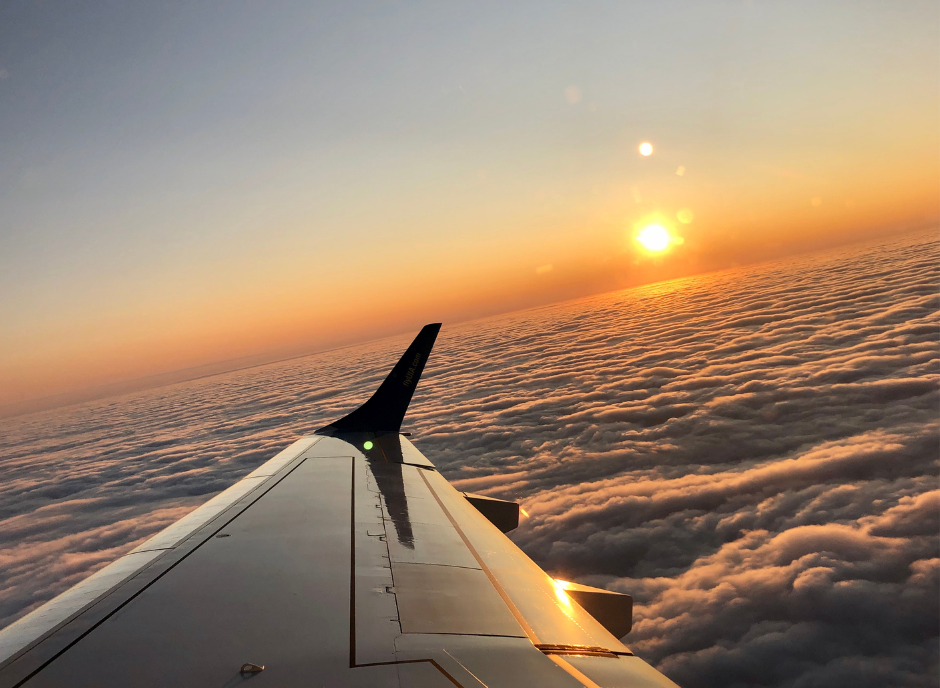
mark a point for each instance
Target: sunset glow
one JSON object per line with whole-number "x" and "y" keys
{"x": 320, "y": 210}
{"x": 654, "y": 238}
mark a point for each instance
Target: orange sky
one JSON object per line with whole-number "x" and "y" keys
{"x": 170, "y": 207}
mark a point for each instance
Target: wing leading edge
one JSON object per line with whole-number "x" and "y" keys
{"x": 336, "y": 563}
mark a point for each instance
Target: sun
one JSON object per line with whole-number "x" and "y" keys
{"x": 646, "y": 149}
{"x": 654, "y": 238}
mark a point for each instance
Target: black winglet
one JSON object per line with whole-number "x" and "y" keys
{"x": 385, "y": 409}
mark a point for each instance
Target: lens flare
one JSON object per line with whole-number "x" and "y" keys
{"x": 654, "y": 238}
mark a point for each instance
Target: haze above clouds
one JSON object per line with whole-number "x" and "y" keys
{"x": 751, "y": 454}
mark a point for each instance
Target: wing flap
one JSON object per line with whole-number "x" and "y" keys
{"x": 486, "y": 662}
{"x": 450, "y": 599}
{"x": 550, "y": 616}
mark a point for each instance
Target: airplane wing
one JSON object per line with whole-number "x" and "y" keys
{"x": 345, "y": 560}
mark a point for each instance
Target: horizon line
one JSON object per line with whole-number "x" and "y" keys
{"x": 173, "y": 377}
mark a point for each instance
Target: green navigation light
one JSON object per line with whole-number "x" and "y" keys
{"x": 367, "y": 445}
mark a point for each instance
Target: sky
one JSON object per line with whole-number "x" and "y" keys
{"x": 188, "y": 183}
{"x": 751, "y": 454}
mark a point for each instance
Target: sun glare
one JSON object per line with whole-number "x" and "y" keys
{"x": 646, "y": 149}
{"x": 560, "y": 587}
{"x": 654, "y": 238}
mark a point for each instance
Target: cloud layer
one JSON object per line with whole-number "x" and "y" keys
{"x": 751, "y": 454}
